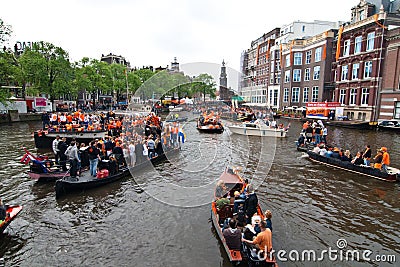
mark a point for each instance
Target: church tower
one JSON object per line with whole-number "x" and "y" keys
{"x": 175, "y": 66}
{"x": 223, "y": 81}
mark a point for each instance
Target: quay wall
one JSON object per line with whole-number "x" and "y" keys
{"x": 14, "y": 116}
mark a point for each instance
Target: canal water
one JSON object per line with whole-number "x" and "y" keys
{"x": 161, "y": 217}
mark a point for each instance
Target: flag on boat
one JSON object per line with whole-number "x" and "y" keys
{"x": 27, "y": 158}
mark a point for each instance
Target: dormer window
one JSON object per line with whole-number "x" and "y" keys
{"x": 361, "y": 15}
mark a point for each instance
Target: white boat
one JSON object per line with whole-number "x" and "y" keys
{"x": 257, "y": 128}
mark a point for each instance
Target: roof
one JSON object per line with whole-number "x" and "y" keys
{"x": 229, "y": 178}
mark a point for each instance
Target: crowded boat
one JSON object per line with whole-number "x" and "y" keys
{"x": 313, "y": 141}
{"x": 210, "y": 123}
{"x": 243, "y": 228}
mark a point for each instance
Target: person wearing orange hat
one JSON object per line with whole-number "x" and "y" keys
{"x": 385, "y": 159}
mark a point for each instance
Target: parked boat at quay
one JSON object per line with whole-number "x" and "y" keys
{"x": 234, "y": 182}
{"x": 12, "y": 212}
{"x": 258, "y": 128}
{"x": 393, "y": 174}
{"x": 389, "y": 125}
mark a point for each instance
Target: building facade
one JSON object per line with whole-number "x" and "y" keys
{"x": 390, "y": 93}
{"x": 360, "y": 59}
{"x": 306, "y": 70}
{"x": 263, "y": 77}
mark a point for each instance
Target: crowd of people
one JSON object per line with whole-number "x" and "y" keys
{"x": 143, "y": 138}
{"x": 312, "y": 133}
{"x": 81, "y": 121}
{"x": 380, "y": 161}
{"x": 246, "y": 225}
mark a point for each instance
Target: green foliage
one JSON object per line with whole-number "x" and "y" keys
{"x": 204, "y": 84}
{"x": 8, "y": 71}
{"x": 47, "y": 68}
{"x": 144, "y": 74}
{"x": 5, "y": 32}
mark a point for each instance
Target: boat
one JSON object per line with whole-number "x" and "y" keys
{"x": 389, "y": 125}
{"x": 45, "y": 171}
{"x": 235, "y": 183}
{"x": 41, "y": 168}
{"x": 209, "y": 124}
{"x": 175, "y": 119}
{"x": 86, "y": 181}
{"x": 257, "y": 128}
{"x": 44, "y": 139}
{"x": 12, "y": 212}
{"x": 393, "y": 174}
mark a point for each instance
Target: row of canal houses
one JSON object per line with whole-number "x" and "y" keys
{"x": 355, "y": 63}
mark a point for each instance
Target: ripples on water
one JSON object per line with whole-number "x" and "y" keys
{"x": 123, "y": 225}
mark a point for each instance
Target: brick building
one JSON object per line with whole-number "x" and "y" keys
{"x": 262, "y": 79}
{"x": 390, "y": 93}
{"x": 360, "y": 58}
{"x": 306, "y": 70}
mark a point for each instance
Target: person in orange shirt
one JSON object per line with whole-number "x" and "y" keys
{"x": 263, "y": 240}
{"x": 69, "y": 118}
{"x": 385, "y": 159}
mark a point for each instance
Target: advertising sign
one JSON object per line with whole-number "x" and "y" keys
{"x": 320, "y": 110}
{"x": 40, "y": 102}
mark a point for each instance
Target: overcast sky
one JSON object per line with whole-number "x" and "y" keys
{"x": 153, "y": 32}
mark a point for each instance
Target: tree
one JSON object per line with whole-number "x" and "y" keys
{"x": 144, "y": 74}
{"x": 6, "y": 61}
{"x": 48, "y": 68}
{"x": 5, "y": 32}
{"x": 204, "y": 84}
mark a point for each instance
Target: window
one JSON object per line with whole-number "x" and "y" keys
{"x": 275, "y": 97}
{"x": 397, "y": 110}
{"x": 368, "y": 69}
{"x": 307, "y": 74}
{"x": 356, "y": 68}
{"x": 316, "y": 72}
{"x": 287, "y": 60}
{"x": 296, "y": 75}
{"x": 286, "y": 95}
{"x": 345, "y": 71}
{"x": 278, "y": 78}
{"x": 287, "y": 76}
{"x": 295, "y": 94}
{"x": 364, "y": 96}
{"x": 314, "y": 96}
{"x": 353, "y": 95}
{"x": 357, "y": 46}
{"x": 318, "y": 52}
{"x": 342, "y": 96}
{"x": 308, "y": 57}
{"x": 398, "y": 85}
{"x": 346, "y": 48}
{"x": 298, "y": 58}
{"x": 370, "y": 41}
{"x": 303, "y": 28}
{"x": 361, "y": 14}
{"x": 305, "y": 94}
{"x": 271, "y": 96}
